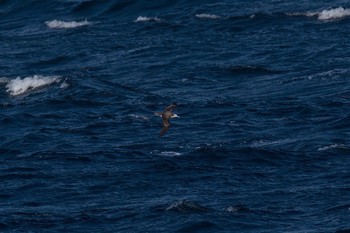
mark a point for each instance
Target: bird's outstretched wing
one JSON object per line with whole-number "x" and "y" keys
{"x": 166, "y": 122}
{"x": 163, "y": 131}
{"x": 170, "y": 107}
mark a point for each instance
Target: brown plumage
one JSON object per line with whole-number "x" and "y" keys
{"x": 166, "y": 115}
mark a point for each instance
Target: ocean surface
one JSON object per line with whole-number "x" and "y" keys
{"x": 263, "y": 139}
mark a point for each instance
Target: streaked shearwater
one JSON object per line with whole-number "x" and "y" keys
{"x": 166, "y": 115}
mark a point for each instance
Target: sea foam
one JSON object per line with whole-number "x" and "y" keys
{"x": 57, "y": 24}
{"x": 147, "y": 19}
{"x": 333, "y": 146}
{"x": 208, "y": 16}
{"x": 336, "y": 13}
{"x": 325, "y": 15}
{"x": 170, "y": 153}
{"x": 19, "y": 86}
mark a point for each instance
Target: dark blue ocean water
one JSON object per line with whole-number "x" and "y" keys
{"x": 262, "y": 143}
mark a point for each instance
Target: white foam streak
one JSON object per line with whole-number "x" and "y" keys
{"x": 64, "y": 85}
{"x": 19, "y": 86}
{"x": 147, "y": 19}
{"x": 57, "y": 24}
{"x": 208, "y": 16}
{"x": 336, "y": 13}
{"x": 166, "y": 153}
{"x": 325, "y": 15}
{"x": 334, "y": 146}
{"x": 170, "y": 153}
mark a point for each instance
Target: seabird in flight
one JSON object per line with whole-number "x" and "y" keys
{"x": 166, "y": 115}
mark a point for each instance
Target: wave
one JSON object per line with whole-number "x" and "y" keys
{"x": 64, "y": 84}
{"x": 170, "y": 153}
{"x": 20, "y": 86}
{"x": 147, "y": 19}
{"x": 244, "y": 69}
{"x": 57, "y": 24}
{"x": 330, "y": 147}
{"x": 252, "y": 69}
{"x": 336, "y": 13}
{"x": 325, "y": 15}
{"x": 208, "y": 16}
{"x": 264, "y": 143}
{"x": 4, "y": 80}
{"x": 139, "y": 117}
{"x": 237, "y": 209}
{"x": 166, "y": 153}
{"x": 187, "y": 206}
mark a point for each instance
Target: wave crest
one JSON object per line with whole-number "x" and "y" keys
{"x": 208, "y": 16}
{"x": 19, "y": 86}
{"x": 147, "y": 19}
{"x": 332, "y": 14}
{"x": 187, "y": 206}
{"x": 330, "y": 147}
{"x": 237, "y": 209}
{"x": 336, "y": 13}
{"x": 57, "y": 24}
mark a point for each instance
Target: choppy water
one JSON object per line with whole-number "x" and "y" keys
{"x": 261, "y": 145}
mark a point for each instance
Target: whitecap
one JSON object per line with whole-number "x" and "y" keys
{"x": 208, "y": 16}
{"x": 147, "y": 19}
{"x": 308, "y": 14}
{"x": 311, "y": 14}
{"x": 19, "y": 86}
{"x": 237, "y": 208}
{"x": 333, "y": 146}
{"x": 170, "y": 153}
{"x": 232, "y": 209}
{"x": 325, "y": 15}
{"x": 336, "y": 13}
{"x": 64, "y": 85}
{"x": 57, "y": 24}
